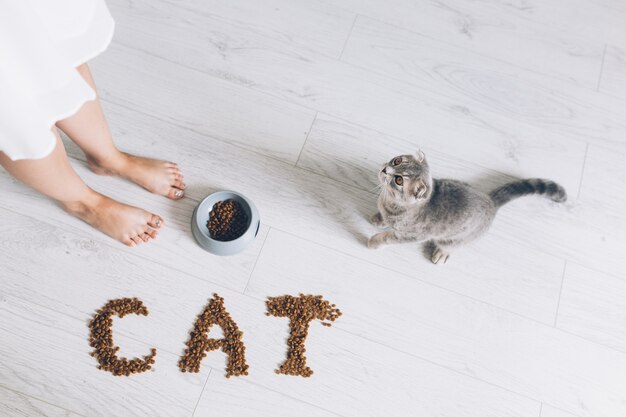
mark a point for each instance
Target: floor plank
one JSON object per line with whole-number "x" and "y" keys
{"x": 223, "y": 397}
{"x": 482, "y": 28}
{"x": 479, "y": 82}
{"x": 593, "y": 306}
{"x": 15, "y": 404}
{"x": 308, "y": 24}
{"x": 375, "y": 100}
{"x": 598, "y": 20}
{"x": 224, "y": 110}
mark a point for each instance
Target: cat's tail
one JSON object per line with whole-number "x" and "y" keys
{"x": 515, "y": 189}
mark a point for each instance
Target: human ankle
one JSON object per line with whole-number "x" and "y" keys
{"x": 84, "y": 204}
{"x": 114, "y": 163}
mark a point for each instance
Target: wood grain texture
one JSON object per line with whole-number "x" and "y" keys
{"x": 222, "y": 397}
{"x": 593, "y": 306}
{"x": 548, "y": 411}
{"x": 483, "y": 84}
{"x": 238, "y": 56}
{"x": 308, "y": 24}
{"x": 201, "y": 102}
{"x": 605, "y": 177}
{"x": 15, "y": 404}
{"x": 447, "y": 329}
{"x": 598, "y": 20}
{"x": 482, "y": 28}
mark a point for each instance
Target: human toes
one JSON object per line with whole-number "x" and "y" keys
{"x": 152, "y": 233}
{"x": 179, "y": 183}
{"x": 155, "y": 221}
{"x": 175, "y": 193}
{"x": 137, "y": 239}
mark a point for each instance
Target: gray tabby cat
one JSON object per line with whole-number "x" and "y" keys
{"x": 444, "y": 213}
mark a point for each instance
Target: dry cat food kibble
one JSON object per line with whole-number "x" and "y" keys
{"x": 227, "y": 220}
{"x": 199, "y": 342}
{"x": 301, "y": 311}
{"x": 101, "y": 338}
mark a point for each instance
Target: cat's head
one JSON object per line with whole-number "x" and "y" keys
{"x": 406, "y": 178}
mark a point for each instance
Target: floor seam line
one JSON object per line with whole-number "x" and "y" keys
{"x": 306, "y": 139}
{"x": 558, "y": 303}
{"x": 201, "y": 392}
{"x": 582, "y": 171}
{"x": 256, "y": 261}
{"x": 606, "y": 46}
{"x": 345, "y": 44}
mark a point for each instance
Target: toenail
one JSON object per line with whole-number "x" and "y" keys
{"x": 178, "y": 193}
{"x": 158, "y": 222}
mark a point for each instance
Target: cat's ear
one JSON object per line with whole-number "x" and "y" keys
{"x": 420, "y": 155}
{"x": 420, "y": 189}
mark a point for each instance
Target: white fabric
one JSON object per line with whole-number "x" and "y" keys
{"x": 41, "y": 44}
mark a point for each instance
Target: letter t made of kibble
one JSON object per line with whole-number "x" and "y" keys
{"x": 301, "y": 311}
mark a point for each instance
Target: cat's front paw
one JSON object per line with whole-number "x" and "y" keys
{"x": 373, "y": 243}
{"x": 439, "y": 256}
{"x": 377, "y": 220}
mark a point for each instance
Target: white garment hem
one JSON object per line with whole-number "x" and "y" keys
{"x": 72, "y": 109}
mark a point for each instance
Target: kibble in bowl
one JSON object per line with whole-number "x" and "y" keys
{"x": 225, "y": 223}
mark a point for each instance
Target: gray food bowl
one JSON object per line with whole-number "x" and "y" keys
{"x": 217, "y": 247}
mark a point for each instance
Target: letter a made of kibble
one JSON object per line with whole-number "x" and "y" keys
{"x": 301, "y": 311}
{"x": 199, "y": 343}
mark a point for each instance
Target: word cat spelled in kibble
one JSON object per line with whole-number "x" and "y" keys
{"x": 300, "y": 311}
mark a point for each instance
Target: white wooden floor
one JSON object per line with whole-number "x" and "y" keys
{"x": 295, "y": 103}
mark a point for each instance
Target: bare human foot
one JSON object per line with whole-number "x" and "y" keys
{"x": 156, "y": 176}
{"x": 130, "y": 225}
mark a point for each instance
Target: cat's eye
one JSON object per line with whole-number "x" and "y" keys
{"x": 397, "y": 161}
{"x": 399, "y": 180}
